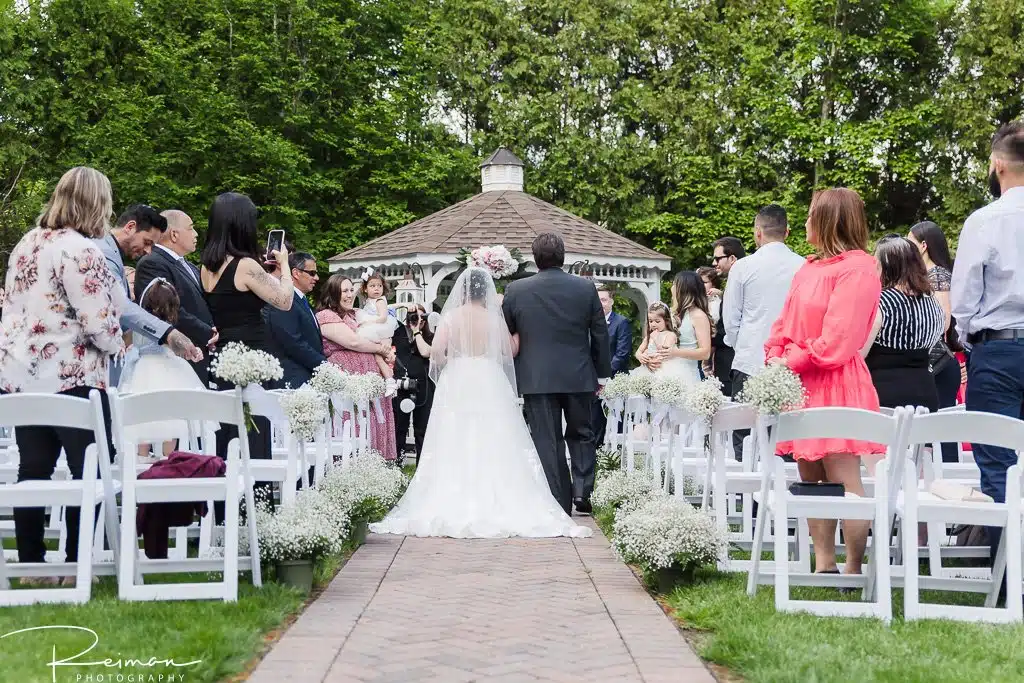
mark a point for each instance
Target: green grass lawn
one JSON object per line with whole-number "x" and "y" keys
{"x": 226, "y": 637}
{"x": 759, "y": 645}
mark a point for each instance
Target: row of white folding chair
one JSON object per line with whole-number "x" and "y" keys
{"x": 916, "y": 505}
{"x": 97, "y": 485}
{"x": 777, "y": 505}
{"x": 237, "y": 485}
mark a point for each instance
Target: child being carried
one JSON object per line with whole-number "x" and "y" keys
{"x": 376, "y": 323}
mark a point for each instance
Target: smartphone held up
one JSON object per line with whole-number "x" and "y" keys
{"x": 275, "y": 242}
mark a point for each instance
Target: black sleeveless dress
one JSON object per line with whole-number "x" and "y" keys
{"x": 238, "y": 317}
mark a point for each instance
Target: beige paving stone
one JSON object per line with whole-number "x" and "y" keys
{"x": 502, "y": 611}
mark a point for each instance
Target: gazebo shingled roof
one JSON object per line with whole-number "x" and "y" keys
{"x": 507, "y": 217}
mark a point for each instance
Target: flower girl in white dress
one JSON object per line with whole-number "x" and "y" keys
{"x": 375, "y": 322}
{"x": 149, "y": 366}
{"x": 663, "y": 335}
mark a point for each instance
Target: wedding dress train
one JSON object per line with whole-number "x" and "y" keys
{"x": 479, "y": 475}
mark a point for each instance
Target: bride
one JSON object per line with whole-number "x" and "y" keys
{"x": 479, "y": 475}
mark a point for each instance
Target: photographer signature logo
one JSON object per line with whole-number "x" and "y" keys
{"x": 122, "y": 665}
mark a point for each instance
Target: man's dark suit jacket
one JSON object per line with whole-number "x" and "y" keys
{"x": 295, "y": 341}
{"x": 563, "y": 336}
{"x": 194, "y": 318}
{"x": 620, "y": 338}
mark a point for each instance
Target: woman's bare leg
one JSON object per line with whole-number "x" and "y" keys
{"x": 844, "y": 469}
{"x": 823, "y": 531}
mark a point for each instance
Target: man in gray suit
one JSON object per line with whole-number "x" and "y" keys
{"x": 563, "y": 357}
{"x": 137, "y": 229}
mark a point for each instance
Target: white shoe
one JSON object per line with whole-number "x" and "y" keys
{"x": 390, "y": 388}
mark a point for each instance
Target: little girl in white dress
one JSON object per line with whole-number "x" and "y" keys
{"x": 376, "y": 323}
{"x": 662, "y": 334}
{"x": 149, "y": 366}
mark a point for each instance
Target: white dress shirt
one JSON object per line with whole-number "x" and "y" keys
{"x": 180, "y": 259}
{"x": 987, "y": 290}
{"x": 753, "y": 299}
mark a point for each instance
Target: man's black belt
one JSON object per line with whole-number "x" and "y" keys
{"x": 995, "y": 335}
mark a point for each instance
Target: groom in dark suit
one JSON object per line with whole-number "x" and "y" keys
{"x": 563, "y": 352}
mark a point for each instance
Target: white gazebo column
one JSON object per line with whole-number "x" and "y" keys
{"x": 650, "y": 291}
{"x": 433, "y": 282}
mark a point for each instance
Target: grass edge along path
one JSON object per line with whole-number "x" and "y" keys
{"x": 230, "y": 639}
{"x": 745, "y": 639}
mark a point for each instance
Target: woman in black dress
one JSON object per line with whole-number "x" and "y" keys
{"x": 237, "y": 288}
{"x": 908, "y": 324}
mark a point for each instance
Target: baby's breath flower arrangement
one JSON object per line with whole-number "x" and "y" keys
{"x": 639, "y": 384}
{"x": 306, "y": 410}
{"x": 237, "y": 364}
{"x": 365, "y": 387}
{"x": 620, "y": 490}
{"x": 312, "y": 527}
{"x": 367, "y": 487}
{"x": 669, "y": 390}
{"x": 329, "y": 380}
{"x": 704, "y": 399}
{"x": 616, "y": 387}
{"x": 667, "y": 533}
{"x": 774, "y": 389}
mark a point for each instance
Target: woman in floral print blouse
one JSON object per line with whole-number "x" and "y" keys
{"x": 60, "y": 325}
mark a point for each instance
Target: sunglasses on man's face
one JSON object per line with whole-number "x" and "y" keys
{"x": 716, "y": 259}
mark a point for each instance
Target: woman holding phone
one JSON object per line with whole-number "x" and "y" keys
{"x": 237, "y": 287}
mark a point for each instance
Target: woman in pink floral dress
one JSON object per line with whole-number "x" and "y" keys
{"x": 349, "y": 351}
{"x": 824, "y": 324}
{"x": 59, "y": 329}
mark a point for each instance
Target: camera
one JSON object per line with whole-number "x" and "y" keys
{"x": 407, "y": 384}
{"x": 413, "y": 317}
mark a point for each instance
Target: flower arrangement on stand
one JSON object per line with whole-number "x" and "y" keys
{"x": 294, "y": 537}
{"x": 306, "y": 410}
{"x": 774, "y": 389}
{"x": 668, "y": 539}
{"x": 704, "y": 399}
{"x": 501, "y": 262}
{"x": 619, "y": 490}
{"x": 366, "y": 488}
{"x": 329, "y": 380}
{"x": 237, "y": 364}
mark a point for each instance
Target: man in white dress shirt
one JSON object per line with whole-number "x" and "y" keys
{"x": 987, "y": 299}
{"x": 753, "y": 299}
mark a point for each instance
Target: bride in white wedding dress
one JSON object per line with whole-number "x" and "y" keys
{"x": 479, "y": 475}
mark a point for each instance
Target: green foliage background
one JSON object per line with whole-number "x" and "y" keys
{"x": 670, "y": 121}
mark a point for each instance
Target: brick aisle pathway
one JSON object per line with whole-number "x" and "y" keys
{"x": 405, "y": 610}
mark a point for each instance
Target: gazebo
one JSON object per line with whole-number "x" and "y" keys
{"x": 421, "y": 258}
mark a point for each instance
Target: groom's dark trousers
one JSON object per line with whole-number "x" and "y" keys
{"x": 563, "y": 349}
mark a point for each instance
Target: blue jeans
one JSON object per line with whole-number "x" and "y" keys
{"x": 995, "y": 384}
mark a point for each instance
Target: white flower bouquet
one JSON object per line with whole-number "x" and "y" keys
{"x": 639, "y": 384}
{"x": 497, "y": 259}
{"x": 667, "y": 533}
{"x": 774, "y": 389}
{"x": 367, "y": 487}
{"x": 365, "y": 387}
{"x": 623, "y": 490}
{"x": 314, "y": 526}
{"x": 237, "y": 364}
{"x": 704, "y": 399}
{"x": 306, "y": 409}
{"x": 616, "y": 387}
{"x": 670, "y": 390}
{"x": 329, "y": 380}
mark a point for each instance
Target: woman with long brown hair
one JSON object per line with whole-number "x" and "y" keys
{"x": 825, "y": 322}
{"x": 909, "y": 322}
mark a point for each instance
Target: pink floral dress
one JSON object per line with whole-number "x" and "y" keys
{"x": 382, "y": 434}
{"x": 824, "y": 323}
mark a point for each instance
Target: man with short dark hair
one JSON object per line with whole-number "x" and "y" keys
{"x": 987, "y": 300}
{"x": 295, "y": 333}
{"x": 134, "y": 235}
{"x": 563, "y": 357}
{"x": 757, "y": 289}
{"x": 727, "y": 251}
{"x": 620, "y": 340}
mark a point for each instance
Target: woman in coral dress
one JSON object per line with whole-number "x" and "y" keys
{"x": 346, "y": 349}
{"x": 825, "y": 322}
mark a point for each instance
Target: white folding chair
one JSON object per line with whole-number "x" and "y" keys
{"x": 18, "y": 410}
{"x": 916, "y": 505}
{"x": 192, "y": 405}
{"x": 777, "y": 504}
